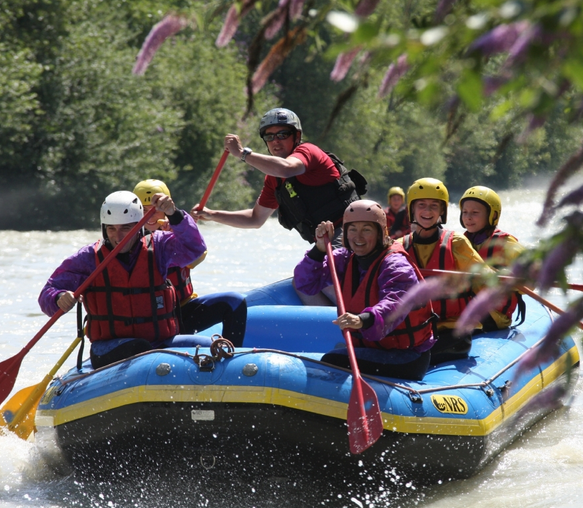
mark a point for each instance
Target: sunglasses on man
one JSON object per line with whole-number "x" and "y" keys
{"x": 279, "y": 135}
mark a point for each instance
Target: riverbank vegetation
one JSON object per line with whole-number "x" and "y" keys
{"x": 77, "y": 124}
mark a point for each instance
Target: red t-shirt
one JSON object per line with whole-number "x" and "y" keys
{"x": 320, "y": 169}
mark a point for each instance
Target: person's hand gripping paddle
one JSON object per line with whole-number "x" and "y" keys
{"x": 9, "y": 368}
{"x": 365, "y": 423}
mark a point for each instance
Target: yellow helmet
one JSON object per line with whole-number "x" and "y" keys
{"x": 147, "y": 188}
{"x": 487, "y": 197}
{"x": 395, "y": 190}
{"x": 427, "y": 188}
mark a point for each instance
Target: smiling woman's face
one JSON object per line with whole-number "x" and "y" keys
{"x": 362, "y": 237}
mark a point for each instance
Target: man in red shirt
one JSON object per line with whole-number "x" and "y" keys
{"x": 302, "y": 182}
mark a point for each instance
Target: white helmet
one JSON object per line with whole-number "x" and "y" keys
{"x": 121, "y": 207}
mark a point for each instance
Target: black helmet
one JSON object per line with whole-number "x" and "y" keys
{"x": 279, "y": 116}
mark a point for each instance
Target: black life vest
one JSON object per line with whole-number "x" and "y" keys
{"x": 303, "y": 207}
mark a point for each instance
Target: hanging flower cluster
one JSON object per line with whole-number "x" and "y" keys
{"x": 169, "y": 26}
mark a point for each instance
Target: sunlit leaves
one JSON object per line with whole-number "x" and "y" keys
{"x": 470, "y": 89}
{"x": 18, "y": 101}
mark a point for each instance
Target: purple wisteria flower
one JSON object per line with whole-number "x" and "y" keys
{"x": 479, "y": 307}
{"x": 493, "y": 83}
{"x": 433, "y": 288}
{"x": 232, "y": 22}
{"x": 443, "y": 9}
{"x": 170, "y": 25}
{"x": 295, "y": 8}
{"x": 534, "y": 122}
{"x": 365, "y": 8}
{"x": 548, "y": 349}
{"x": 517, "y": 52}
{"x": 276, "y": 20}
{"x": 394, "y": 73}
{"x": 343, "y": 63}
{"x": 555, "y": 261}
{"x": 551, "y": 398}
{"x": 229, "y": 27}
{"x": 562, "y": 175}
{"x": 573, "y": 198}
{"x": 500, "y": 39}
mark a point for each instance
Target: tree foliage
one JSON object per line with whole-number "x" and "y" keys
{"x": 78, "y": 125}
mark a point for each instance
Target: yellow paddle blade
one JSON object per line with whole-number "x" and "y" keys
{"x": 17, "y": 415}
{"x": 23, "y": 426}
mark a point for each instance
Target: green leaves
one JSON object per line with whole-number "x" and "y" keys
{"x": 470, "y": 89}
{"x": 76, "y": 124}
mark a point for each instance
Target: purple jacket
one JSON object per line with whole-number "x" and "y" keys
{"x": 396, "y": 276}
{"x": 178, "y": 247}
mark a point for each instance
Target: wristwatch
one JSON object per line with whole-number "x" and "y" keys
{"x": 246, "y": 151}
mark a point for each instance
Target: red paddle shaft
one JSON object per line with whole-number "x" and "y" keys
{"x": 214, "y": 179}
{"x": 365, "y": 423}
{"x": 9, "y": 368}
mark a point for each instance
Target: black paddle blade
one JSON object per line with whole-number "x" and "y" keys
{"x": 365, "y": 423}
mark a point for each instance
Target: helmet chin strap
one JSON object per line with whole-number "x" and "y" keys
{"x": 426, "y": 229}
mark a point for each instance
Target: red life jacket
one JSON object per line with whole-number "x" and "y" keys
{"x": 398, "y": 222}
{"x": 414, "y": 330}
{"x": 180, "y": 278}
{"x": 140, "y": 304}
{"x": 442, "y": 258}
{"x": 494, "y": 248}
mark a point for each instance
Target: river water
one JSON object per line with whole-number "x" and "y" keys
{"x": 544, "y": 468}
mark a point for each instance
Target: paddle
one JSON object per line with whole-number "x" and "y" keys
{"x": 365, "y": 424}
{"x": 430, "y": 271}
{"x": 9, "y": 368}
{"x": 521, "y": 287}
{"x": 540, "y": 299}
{"x": 214, "y": 179}
{"x": 18, "y": 413}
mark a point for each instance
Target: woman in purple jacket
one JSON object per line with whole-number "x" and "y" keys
{"x": 375, "y": 274}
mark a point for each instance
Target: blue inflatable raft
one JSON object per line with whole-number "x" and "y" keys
{"x": 273, "y": 405}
